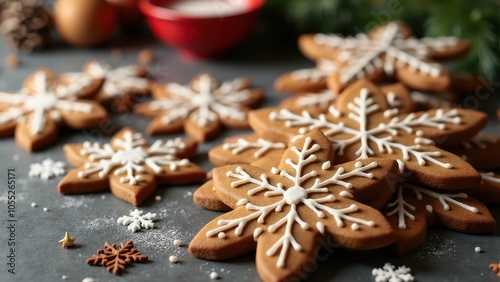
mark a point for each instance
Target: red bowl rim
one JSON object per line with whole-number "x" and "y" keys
{"x": 151, "y": 10}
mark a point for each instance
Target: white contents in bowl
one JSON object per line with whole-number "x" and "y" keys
{"x": 209, "y": 8}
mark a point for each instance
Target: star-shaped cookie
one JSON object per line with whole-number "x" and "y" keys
{"x": 361, "y": 124}
{"x": 283, "y": 212}
{"x": 129, "y": 166}
{"x": 200, "y": 108}
{"x": 46, "y": 102}
{"x": 388, "y": 51}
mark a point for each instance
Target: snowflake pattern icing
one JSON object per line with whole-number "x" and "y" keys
{"x": 131, "y": 157}
{"x": 360, "y": 110}
{"x": 389, "y": 273}
{"x": 47, "y": 169}
{"x": 205, "y": 105}
{"x": 34, "y": 107}
{"x": 117, "y": 82}
{"x": 261, "y": 146}
{"x": 295, "y": 196}
{"x": 322, "y": 70}
{"x": 387, "y": 49}
{"x": 138, "y": 220}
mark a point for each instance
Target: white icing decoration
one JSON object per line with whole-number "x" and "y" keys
{"x": 359, "y": 111}
{"x": 387, "y": 49}
{"x": 293, "y": 196}
{"x": 73, "y": 84}
{"x": 393, "y": 100}
{"x": 429, "y": 208}
{"x": 401, "y": 166}
{"x": 431, "y": 99}
{"x": 47, "y": 169}
{"x": 323, "y": 69}
{"x": 256, "y": 233}
{"x": 389, "y": 273}
{"x": 400, "y": 207}
{"x": 263, "y": 146}
{"x": 117, "y": 82}
{"x": 320, "y": 99}
{"x": 33, "y": 107}
{"x": 480, "y": 141}
{"x": 404, "y": 209}
{"x": 355, "y": 226}
{"x": 346, "y": 194}
{"x": 138, "y": 220}
{"x": 321, "y": 227}
{"x": 490, "y": 176}
{"x": 205, "y": 106}
{"x": 131, "y": 157}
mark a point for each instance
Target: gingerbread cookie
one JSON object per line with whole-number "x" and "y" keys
{"x": 200, "y": 108}
{"x": 35, "y": 113}
{"x": 306, "y": 80}
{"x": 482, "y": 151}
{"x": 283, "y": 211}
{"x": 489, "y": 191}
{"x": 361, "y": 124}
{"x": 430, "y": 100}
{"x": 415, "y": 207}
{"x": 121, "y": 85}
{"x": 129, "y": 167}
{"x": 389, "y": 50}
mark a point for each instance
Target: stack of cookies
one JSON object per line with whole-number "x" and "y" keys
{"x": 350, "y": 160}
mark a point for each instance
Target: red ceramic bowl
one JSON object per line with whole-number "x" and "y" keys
{"x": 199, "y": 36}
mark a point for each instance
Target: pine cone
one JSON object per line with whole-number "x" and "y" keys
{"x": 25, "y": 24}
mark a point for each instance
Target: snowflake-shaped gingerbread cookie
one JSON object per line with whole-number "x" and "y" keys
{"x": 361, "y": 124}
{"x": 46, "y": 102}
{"x": 200, "y": 108}
{"x": 129, "y": 167}
{"x": 389, "y": 50}
{"x": 306, "y": 80}
{"x": 121, "y": 85}
{"x": 282, "y": 212}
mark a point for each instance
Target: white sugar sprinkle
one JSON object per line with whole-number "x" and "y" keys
{"x": 45, "y": 209}
{"x": 34, "y": 205}
{"x": 65, "y": 277}
{"x": 15, "y": 157}
{"x": 477, "y": 249}
{"x": 88, "y": 279}
{"x": 178, "y": 243}
{"x": 173, "y": 259}
{"x": 157, "y": 198}
{"x": 214, "y": 275}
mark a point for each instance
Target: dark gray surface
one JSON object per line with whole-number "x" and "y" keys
{"x": 444, "y": 256}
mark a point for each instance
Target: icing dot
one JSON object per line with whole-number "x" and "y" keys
{"x": 477, "y": 249}
{"x": 178, "y": 243}
{"x": 354, "y": 226}
{"x": 157, "y": 198}
{"x": 214, "y": 275}
{"x": 173, "y": 259}
{"x": 221, "y": 235}
{"x": 321, "y": 227}
{"x": 345, "y": 194}
{"x": 45, "y": 209}
{"x": 256, "y": 233}
{"x": 429, "y": 208}
{"x": 34, "y": 205}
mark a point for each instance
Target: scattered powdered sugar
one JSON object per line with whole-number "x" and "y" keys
{"x": 20, "y": 196}
{"x": 96, "y": 224}
{"x": 76, "y": 201}
{"x": 436, "y": 244}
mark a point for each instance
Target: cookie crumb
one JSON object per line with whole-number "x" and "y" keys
{"x": 15, "y": 157}
{"x": 12, "y": 61}
{"x": 477, "y": 249}
{"x": 88, "y": 279}
{"x": 45, "y": 209}
{"x": 214, "y": 275}
{"x": 173, "y": 259}
{"x": 65, "y": 277}
{"x": 34, "y": 205}
{"x": 157, "y": 198}
{"x": 145, "y": 56}
{"x": 178, "y": 243}
{"x": 116, "y": 54}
